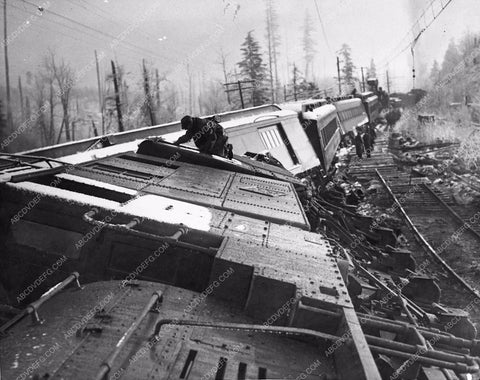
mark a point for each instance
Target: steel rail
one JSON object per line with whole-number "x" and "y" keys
{"x": 425, "y": 243}
{"x": 457, "y": 217}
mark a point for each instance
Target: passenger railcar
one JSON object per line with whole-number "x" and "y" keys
{"x": 351, "y": 113}
{"x": 372, "y": 106}
{"x": 320, "y": 122}
{"x": 277, "y": 132}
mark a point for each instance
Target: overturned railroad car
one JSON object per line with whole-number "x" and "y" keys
{"x": 133, "y": 258}
{"x": 372, "y": 106}
{"x": 351, "y": 113}
{"x": 163, "y": 262}
{"x": 321, "y": 124}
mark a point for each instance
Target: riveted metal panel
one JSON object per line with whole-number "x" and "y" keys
{"x": 155, "y": 170}
{"x": 83, "y": 326}
{"x": 315, "y": 274}
{"x": 111, "y": 178}
{"x": 198, "y": 180}
{"x": 199, "y": 185}
{"x": 274, "y": 200}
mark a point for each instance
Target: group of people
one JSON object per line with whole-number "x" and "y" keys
{"x": 364, "y": 140}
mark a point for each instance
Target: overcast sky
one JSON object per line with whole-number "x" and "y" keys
{"x": 168, "y": 32}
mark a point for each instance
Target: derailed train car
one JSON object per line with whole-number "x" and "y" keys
{"x": 320, "y": 122}
{"x": 150, "y": 260}
{"x": 141, "y": 259}
{"x": 174, "y": 264}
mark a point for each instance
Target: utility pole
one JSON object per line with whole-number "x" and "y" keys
{"x": 239, "y": 88}
{"x": 148, "y": 96}
{"x": 241, "y": 95}
{"x": 413, "y": 63}
{"x": 7, "y": 72}
{"x": 20, "y": 90}
{"x": 339, "y": 79}
{"x": 157, "y": 84}
{"x": 117, "y": 99}
{"x": 388, "y": 83}
{"x": 100, "y": 97}
{"x": 294, "y": 82}
{"x": 363, "y": 80}
{"x": 189, "y": 89}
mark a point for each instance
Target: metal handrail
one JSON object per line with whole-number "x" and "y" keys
{"x": 107, "y": 364}
{"x": 40, "y": 158}
{"x": 128, "y": 227}
{"x": 33, "y": 307}
{"x": 242, "y": 326}
{"x": 266, "y": 117}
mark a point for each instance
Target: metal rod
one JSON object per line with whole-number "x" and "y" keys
{"x": 107, "y": 364}
{"x": 33, "y": 307}
{"x": 41, "y": 158}
{"x": 173, "y": 239}
{"x": 459, "y": 367}
{"x": 246, "y": 327}
{"x": 400, "y": 327}
{"x": 412, "y": 349}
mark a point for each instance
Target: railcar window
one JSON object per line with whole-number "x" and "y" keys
{"x": 270, "y": 137}
{"x": 329, "y": 130}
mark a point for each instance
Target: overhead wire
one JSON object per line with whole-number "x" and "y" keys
{"x": 84, "y": 33}
{"x": 413, "y": 41}
{"x": 322, "y": 27}
{"x": 88, "y": 27}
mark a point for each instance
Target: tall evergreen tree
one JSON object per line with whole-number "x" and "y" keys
{"x": 253, "y": 68}
{"x": 273, "y": 44}
{"x": 3, "y": 120}
{"x": 348, "y": 67}
{"x": 308, "y": 44}
{"x": 3, "y": 123}
{"x": 434, "y": 73}
{"x": 451, "y": 59}
{"x": 372, "y": 70}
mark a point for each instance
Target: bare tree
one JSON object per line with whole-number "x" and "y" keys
{"x": 45, "y": 127}
{"x": 171, "y": 103}
{"x": 223, "y": 63}
{"x": 64, "y": 78}
{"x": 213, "y": 99}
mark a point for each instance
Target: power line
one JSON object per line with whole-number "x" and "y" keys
{"x": 413, "y": 41}
{"x": 99, "y": 31}
{"x": 322, "y": 26}
{"x": 89, "y": 34}
{"x": 108, "y": 17}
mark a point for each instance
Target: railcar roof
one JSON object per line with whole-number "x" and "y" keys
{"x": 277, "y": 115}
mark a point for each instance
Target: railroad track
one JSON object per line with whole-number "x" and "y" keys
{"x": 437, "y": 230}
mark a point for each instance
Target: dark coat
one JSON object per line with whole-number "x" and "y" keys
{"x": 202, "y": 132}
{"x": 367, "y": 141}
{"x": 358, "y": 145}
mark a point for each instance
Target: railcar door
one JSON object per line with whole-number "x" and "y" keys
{"x": 278, "y": 145}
